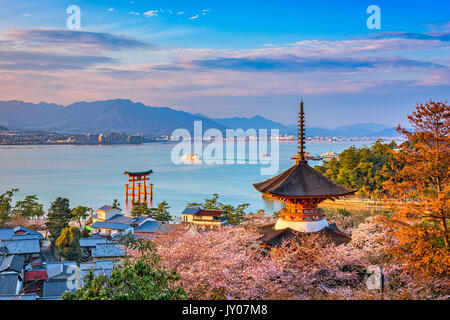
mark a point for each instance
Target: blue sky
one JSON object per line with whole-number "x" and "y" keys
{"x": 231, "y": 58}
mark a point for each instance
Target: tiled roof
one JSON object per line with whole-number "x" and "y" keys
{"x": 8, "y": 283}
{"x": 203, "y": 212}
{"x": 22, "y": 246}
{"x": 110, "y": 225}
{"x": 189, "y": 210}
{"x": 19, "y": 233}
{"x": 105, "y": 250}
{"x": 35, "y": 275}
{"x": 56, "y": 288}
{"x": 148, "y": 227}
{"x": 12, "y": 263}
{"x": 55, "y": 269}
{"x": 91, "y": 242}
{"x": 105, "y": 208}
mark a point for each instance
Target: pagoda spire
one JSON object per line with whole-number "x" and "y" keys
{"x": 301, "y": 134}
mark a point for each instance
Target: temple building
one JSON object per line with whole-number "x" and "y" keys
{"x": 301, "y": 188}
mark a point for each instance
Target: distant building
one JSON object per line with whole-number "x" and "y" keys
{"x": 10, "y": 283}
{"x": 110, "y": 221}
{"x": 134, "y": 139}
{"x": 204, "y": 219}
{"x": 100, "y": 267}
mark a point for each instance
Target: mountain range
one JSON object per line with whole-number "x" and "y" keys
{"x": 121, "y": 115}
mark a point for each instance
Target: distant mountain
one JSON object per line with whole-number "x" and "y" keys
{"x": 256, "y": 122}
{"x": 99, "y": 116}
{"x": 136, "y": 118}
{"x": 3, "y": 128}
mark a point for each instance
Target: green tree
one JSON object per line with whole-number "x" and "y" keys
{"x": 365, "y": 169}
{"x": 116, "y": 203}
{"x": 29, "y": 207}
{"x": 140, "y": 279}
{"x": 68, "y": 243}
{"x": 80, "y": 213}
{"x": 6, "y": 206}
{"x": 58, "y": 217}
{"x": 140, "y": 209}
{"x": 161, "y": 213}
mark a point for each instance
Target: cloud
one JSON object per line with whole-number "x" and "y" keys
{"x": 79, "y": 39}
{"x": 181, "y": 12}
{"x": 194, "y": 17}
{"x": 44, "y": 61}
{"x": 26, "y": 15}
{"x": 111, "y": 9}
{"x": 440, "y": 36}
{"x": 151, "y": 13}
{"x": 295, "y": 64}
{"x": 134, "y": 13}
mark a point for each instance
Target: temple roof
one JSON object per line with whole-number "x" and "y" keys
{"x": 142, "y": 173}
{"x": 301, "y": 181}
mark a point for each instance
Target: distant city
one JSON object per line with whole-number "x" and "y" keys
{"x": 19, "y": 137}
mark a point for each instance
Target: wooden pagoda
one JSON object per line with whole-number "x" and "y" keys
{"x": 139, "y": 191}
{"x": 301, "y": 188}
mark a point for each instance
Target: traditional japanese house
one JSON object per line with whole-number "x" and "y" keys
{"x": 301, "y": 188}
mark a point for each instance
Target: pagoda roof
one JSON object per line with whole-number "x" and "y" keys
{"x": 142, "y": 173}
{"x": 302, "y": 181}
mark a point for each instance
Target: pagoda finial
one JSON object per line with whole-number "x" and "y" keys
{"x": 301, "y": 134}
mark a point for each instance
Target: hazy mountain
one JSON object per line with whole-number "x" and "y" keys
{"x": 3, "y": 128}
{"x": 99, "y": 116}
{"x": 136, "y": 118}
{"x": 256, "y": 122}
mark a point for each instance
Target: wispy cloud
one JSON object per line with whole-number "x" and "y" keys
{"x": 26, "y": 15}
{"x": 194, "y": 17}
{"x": 68, "y": 38}
{"x": 111, "y": 9}
{"x": 180, "y": 12}
{"x": 151, "y": 13}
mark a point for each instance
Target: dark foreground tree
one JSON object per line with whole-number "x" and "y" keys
{"x": 140, "y": 278}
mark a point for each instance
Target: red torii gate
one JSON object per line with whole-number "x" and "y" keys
{"x": 139, "y": 190}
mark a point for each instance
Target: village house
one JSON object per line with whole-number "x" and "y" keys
{"x": 20, "y": 241}
{"x": 107, "y": 251}
{"x": 110, "y": 221}
{"x": 61, "y": 277}
{"x": 203, "y": 219}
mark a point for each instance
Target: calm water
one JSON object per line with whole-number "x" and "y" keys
{"x": 93, "y": 175}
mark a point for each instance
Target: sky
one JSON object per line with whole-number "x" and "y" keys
{"x": 231, "y": 58}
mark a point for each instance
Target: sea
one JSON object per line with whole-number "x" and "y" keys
{"x": 93, "y": 175}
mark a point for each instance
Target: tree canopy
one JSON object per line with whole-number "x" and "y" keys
{"x": 139, "y": 278}
{"x": 364, "y": 168}
{"x": 59, "y": 216}
{"x": 68, "y": 243}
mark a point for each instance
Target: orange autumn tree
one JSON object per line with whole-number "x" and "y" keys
{"x": 420, "y": 183}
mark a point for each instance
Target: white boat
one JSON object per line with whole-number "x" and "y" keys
{"x": 190, "y": 157}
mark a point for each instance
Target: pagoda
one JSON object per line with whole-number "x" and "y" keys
{"x": 301, "y": 188}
